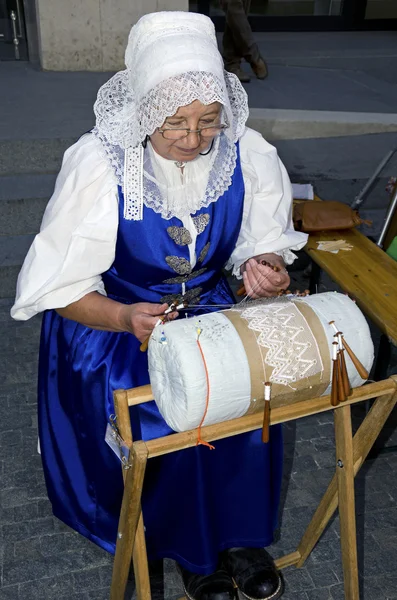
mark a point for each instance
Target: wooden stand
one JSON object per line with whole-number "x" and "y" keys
{"x": 350, "y": 455}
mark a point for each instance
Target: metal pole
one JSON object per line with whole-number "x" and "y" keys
{"x": 15, "y": 40}
{"x": 389, "y": 216}
{"x": 359, "y": 199}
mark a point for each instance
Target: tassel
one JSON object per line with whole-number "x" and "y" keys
{"x": 334, "y": 388}
{"x": 266, "y": 413}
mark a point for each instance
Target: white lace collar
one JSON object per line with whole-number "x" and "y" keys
{"x": 204, "y": 180}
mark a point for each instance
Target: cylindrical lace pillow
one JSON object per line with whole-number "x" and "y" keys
{"x": 285, "y": 341}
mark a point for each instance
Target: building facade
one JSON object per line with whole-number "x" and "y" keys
{"x": 70, "y": 35}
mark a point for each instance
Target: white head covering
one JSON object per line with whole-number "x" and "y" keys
{"x": 172, "y": 59}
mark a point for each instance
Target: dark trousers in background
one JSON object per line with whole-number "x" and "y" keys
{"x": 238, "y": 40}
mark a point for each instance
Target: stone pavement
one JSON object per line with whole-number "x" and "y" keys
{"x": 42, "y": 113}
{"x": 42, "y": 559}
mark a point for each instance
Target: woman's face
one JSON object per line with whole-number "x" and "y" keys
{"x": 193, "y": 116}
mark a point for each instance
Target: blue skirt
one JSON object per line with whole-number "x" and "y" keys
{"x": 195, "y": 502}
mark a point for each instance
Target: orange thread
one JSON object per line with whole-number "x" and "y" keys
{"x": 200, "y": 441}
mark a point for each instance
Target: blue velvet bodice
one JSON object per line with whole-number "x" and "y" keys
{"x": 152, "y": 255}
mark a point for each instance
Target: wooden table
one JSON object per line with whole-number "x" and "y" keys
{"x": 366, "y": 273}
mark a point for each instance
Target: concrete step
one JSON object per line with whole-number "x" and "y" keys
{"x": 13, "y": 250}
{"x": 276, "y": 125}
{"x": 15, "y": 187}
{"x": 23, "y": 199}
{"x": 287, "y": 124}
{"x": 32, "y": 156}
{"x": 8, "y": 281}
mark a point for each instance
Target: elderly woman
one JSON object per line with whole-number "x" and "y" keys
{"x": 168, "y": 188}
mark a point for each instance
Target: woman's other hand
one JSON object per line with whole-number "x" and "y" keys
{"x": 141, "y": 318}
{"x": 261, "y": 281}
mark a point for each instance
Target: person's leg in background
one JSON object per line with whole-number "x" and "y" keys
{"x": 232, "y": 54}
{"x": 238, "y": 41}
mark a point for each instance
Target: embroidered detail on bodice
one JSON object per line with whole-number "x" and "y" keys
{"x": 180, "y": 235}
{"x": 204, "y": 252}
{"x": 186, "y": 278}
{"x": 180, "y": 265}
{"x": 191, "y": 296}
{"x": 201, "y": 222}
{"x": 291, "y": 346}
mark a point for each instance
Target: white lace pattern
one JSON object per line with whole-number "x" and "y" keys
{"x": 292, "y": 349}
{"x": 223, "y": 162}
{"x": 158, "y": 80}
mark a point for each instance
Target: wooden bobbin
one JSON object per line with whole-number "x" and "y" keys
{"x": 341, "y": 388}
{"x": 362, "y": 371}
{"x": 144, "y": 346}
{"x": 266, "y": 413}
{"x": 334, "y": 388}
{"x": 344, "y": 374}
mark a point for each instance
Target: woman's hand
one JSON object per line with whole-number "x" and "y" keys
{"x": 261, "y": 281}
{"x": 141, "y": 318}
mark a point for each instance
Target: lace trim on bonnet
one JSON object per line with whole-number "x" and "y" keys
{"x": 121, "y": 131}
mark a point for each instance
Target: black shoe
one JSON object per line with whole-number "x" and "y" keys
{"x": 217, "y": 586}
{"x": 260, "y": 68}
{"x": 254, "y": 573}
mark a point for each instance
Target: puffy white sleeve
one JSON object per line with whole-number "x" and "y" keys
{"x": 77, "y": 237}
{"x": 267, "y": 214}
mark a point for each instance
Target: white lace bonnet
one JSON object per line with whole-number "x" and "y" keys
{"x": 172, "y": 58}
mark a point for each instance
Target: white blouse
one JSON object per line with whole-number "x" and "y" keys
{"x": 78, "y": 233}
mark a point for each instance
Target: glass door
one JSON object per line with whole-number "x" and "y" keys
{"x": 308, "y": 15}
{"x": 12, "y": 31}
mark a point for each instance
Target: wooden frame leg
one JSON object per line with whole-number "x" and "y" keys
{"x": 363, "y": 441}
{"x": 140, "y": 561}
{"x": 141, "y": 567}
{"x": 129, "y": 518}
{"x": 347, "y": 512}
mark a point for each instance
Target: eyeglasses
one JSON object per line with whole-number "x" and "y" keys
{"x": 178, "y": 134}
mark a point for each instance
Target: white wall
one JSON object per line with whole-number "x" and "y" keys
{"x": 90, "y": 35}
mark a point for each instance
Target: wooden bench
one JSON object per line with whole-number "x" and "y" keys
{"x": 366, "y": 273}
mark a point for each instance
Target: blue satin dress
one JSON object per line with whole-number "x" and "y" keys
{"x": 195, "y": 502}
